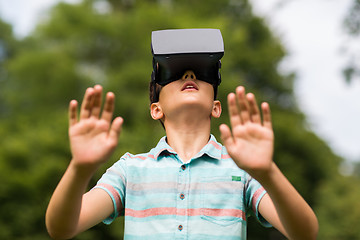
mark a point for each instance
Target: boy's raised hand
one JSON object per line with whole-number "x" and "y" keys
{"x": 93, "y": 137}
{"x": 250, "y": 140}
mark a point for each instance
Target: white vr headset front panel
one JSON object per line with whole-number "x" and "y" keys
{"x": 180, "y": 41}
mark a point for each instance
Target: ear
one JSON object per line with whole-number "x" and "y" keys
{"x": 156, "y": 111}
{"x": 216, "y": 111}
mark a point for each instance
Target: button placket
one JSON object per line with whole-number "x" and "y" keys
{"x": 182, "y": 202}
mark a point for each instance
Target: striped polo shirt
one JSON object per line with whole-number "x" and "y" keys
{"x": 208, "y": 197}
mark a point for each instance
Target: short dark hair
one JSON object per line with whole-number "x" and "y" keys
{"x": 154, "y": 91}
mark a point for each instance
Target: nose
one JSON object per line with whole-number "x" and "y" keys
{"x": 189, "y": 75}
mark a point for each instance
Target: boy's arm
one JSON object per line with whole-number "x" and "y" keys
{"x": 250, "y": 144}
{"x": 286, "y": 210}
{"x": 70, "y": 211}
{"x": 93, "y": 138}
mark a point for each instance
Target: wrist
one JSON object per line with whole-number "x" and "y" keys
{"x": 266, "y": 176}
{"x": 82, "y": 170}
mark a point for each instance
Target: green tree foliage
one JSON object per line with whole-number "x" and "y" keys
{"x": 8, "y": 46}
{"x": 339, "y": 211}
{"x": 108, "y": 43}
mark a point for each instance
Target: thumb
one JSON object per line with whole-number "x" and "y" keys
{"x": 226, "y": 136}
{"x": 115, "y": 129}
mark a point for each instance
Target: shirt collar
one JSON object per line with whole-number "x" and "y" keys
{"x": 213, "y": 149}
{"x": 162, "y": 148}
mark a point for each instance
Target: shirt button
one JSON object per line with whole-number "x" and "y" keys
{"x": 180, "y": 227}
{"x": 183, "y": 167}
{"x": 182, "y": 196}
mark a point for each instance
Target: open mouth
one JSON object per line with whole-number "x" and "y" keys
{"x": 190, "y": 85}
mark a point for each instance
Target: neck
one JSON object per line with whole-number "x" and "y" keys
{"x": 187, "y": 135}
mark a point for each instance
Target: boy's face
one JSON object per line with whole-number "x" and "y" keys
{"x": 186, "y": 94}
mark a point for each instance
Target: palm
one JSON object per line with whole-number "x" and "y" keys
{"x": 93, "y": 139}
{"x": 89, "y": 140}
{"x": 250, "y": 142}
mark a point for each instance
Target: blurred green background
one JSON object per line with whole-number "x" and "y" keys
{"x": 107, "y": 42}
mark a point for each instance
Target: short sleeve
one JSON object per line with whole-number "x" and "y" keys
{"x": 113, "y": 181}
{"x": 253, "y": 194}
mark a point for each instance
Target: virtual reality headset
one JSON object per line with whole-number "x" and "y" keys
{"x": 176, "y": 51}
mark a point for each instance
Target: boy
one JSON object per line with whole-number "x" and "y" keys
{"x": 189, "y": 186}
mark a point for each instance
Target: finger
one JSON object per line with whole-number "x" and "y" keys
{"x": 226, "y": 136}
{"x": 86, "y": 105}
{"x": 108, "y": 107}
{"x": 243, "y": 104}
{"x": 97, "y": 101}
{"x": 115, "y": 129}
{"x": 266, "y": 115}
{"x": 233, "y": 111}
{"x": 73, "y": 112}
{"x": 254, "y": 109}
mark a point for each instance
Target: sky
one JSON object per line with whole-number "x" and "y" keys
{"x": 314, "y": 36}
